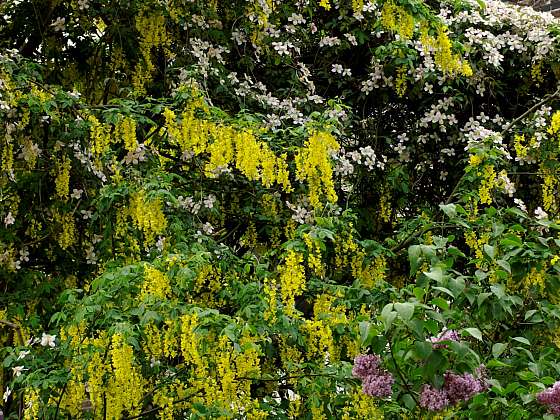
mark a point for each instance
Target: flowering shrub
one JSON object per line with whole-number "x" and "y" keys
{"x": 262, "y": 209}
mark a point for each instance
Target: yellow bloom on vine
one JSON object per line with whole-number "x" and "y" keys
{"x": 62, "y": 180}
{"x": 292, "y": 281}
{"x": 313, "y": 166}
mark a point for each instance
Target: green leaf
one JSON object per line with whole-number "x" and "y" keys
{"x": 498, "y": 349}
{"x": 449, "y": 210}
{"x": 423, "y": 349}
{"x": 405, "y": 310}
{"x": 522, "y": 340}
{"x": 474, "y": 332}
{"x": 435, "y": 273}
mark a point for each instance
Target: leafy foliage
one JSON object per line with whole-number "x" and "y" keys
{"x": 299, "y": 209}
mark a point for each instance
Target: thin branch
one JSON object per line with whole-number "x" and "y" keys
{"x": 533, "y": 108}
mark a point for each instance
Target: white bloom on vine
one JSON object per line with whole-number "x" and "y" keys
{"x": 519, "y": 203}
{"x": 351, "y": 39}
{"x": 540, "y": 213}
{"x": 58, "y": 24}
{"x": 22, "y": 354}
{"x": 7, "y": 394}
{"x": 296, "y": 19}
{"x": 18, "y": 370}
{"x": 48, "y": 340}
{"x": 9, "y": 219}
{"x": 209, "y": 201}
{"x": 76, "y": 193}
{"x": 337, "y": 68}
{"x": 282, "y": 48}
{"x": 329, "y": 41}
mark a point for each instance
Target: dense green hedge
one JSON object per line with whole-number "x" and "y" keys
{"x": 262, "y": 209}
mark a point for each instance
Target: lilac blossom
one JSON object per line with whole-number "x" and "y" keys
{"x": 551, "y": 398}
{"x": 433, "y": 399}
{"x": 366, "y": 365}
{"x": 376, "y": 381}
{"x": 378, "y": 385}
{"x": 445, "y": 335}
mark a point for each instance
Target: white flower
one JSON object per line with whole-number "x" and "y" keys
{"x": 58, "y": 24}
{"x": 48, "y": 340}
{"x": 22, "y": 354}
{"x": 17, "y": 371}
{"x": 76, "y": 193}
{"x": 540, "y": 213}
{"x": 519, "y": 203}
{"x": 9, "y": 219}
{"x": 7, "y": 393}
{"x": 207, "y": 228}
{"x": 337, "y": 68}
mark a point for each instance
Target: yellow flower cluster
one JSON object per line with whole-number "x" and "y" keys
{"x": 75, "y": 394}
{"x": 227, "y": 146}
{"x": 400, "y": 82}
{"x": 153, "y": 34}
{"x": 326, "y": 309}
{"x": 313, "y": 165}
{"x": 62, "y": 180}
{"x": 319, "y": 343}
{"x": 155, "y": 283}
{"x": 549, "y": 188}
{"x": 536, "y": 72}
{"x": 207, "y": 284}
{"x": 535, "y": 278}
{"x": 374, "y": 272}
{"x": 126, "y": 385}
{"x": 361, "y": 406}
{"x": 477, "y": 245}
{"x": 357, "y": 6}
{"x": 7, "y": 158}
{"x": 292, "y": 281}
{"x": 67, "y": 229}
{"x": 125, "y": 129}
{"x": 520, "y": 149}
{"x": 32, "y": 403}
{"x": 444, "y": 58}
{"x": 325, "y": 4}
{"x": 190, "y": 343}
{"x": 96, "y": 370}
{"x": 100, "y": 136}
{"x": 554, "y": 123}
{"x": 270, "y": 293}
{"x": 396, "y": 19}
{"x": 487, "y": 184}
{"x": 147, "y": 215}
{"x": 314, "y": 257}
{"x": 348, "y": 253}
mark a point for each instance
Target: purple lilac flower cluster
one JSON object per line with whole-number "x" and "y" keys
{"x": 456, "y": 388}
{"x": 551, "y": 398}
{"x": 445, "y": 335}
{"x": 376, "y": 381}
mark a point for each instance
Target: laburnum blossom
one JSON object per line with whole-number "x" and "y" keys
{"x": 551, "y": 398}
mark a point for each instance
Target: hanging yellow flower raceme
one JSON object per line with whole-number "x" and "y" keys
{"x": 147, "y": 215}
{"x": 125, "y": 130}
{"x": 125, "y": 388}
{"x": 99, "y": 136}
{"x": 155, "y": 283}
{"x": 314, "y": 167}
{"x": 62, "y": 180}
{"x": 292, "y": 281}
